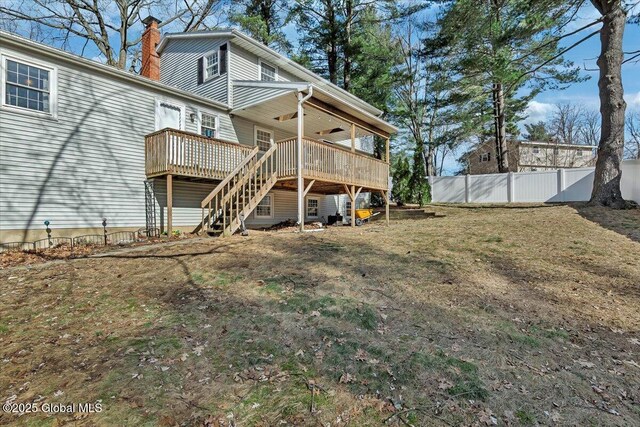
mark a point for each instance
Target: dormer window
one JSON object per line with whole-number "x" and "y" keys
{"x": 211, "y": 68}
{"x": 268, "y": 73}
{"x": 212, "y": 64}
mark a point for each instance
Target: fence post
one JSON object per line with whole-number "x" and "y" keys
{"x": 510, "y": 190}
{"x": 466, "y": 188}
{"x": 561, "y": 185}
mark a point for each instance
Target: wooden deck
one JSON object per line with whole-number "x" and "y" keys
{"x": 173, "y": 152}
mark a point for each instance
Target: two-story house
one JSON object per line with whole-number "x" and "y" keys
{"x": 216, "y": 129}
{"x": 530, "y": 156}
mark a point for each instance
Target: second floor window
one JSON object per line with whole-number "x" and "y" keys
{"x": 208, "y": 125}
{"x": 267, "y": 72}
{"x": 211, "y": 65}
{"x": 27, "y": 86}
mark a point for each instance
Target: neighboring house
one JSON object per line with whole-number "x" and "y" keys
{"x": 213, "y": 130}
{"x": 526, "y": 156}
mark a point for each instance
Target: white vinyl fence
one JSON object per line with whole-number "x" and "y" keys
{"x": 562, "y": 185}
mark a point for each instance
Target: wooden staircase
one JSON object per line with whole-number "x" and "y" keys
{"x": 239, "y": 193}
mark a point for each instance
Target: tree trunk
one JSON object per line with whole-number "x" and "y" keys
{"x": 606, "y": 183}
{"x": 500, "y": 129}
{"x": 346, "y": 70}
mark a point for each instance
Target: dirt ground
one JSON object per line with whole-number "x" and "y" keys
{"x": 488, "y": 316}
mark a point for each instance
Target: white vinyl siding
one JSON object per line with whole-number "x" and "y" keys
{"x": 88, "y": 164}
{"x": 179, "y": 68}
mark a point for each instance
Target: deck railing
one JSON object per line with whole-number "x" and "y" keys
{"x": 333, "y": 163}
{"x": 189, "y": 154}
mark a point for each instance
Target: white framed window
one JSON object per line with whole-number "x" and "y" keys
{"x": 211, "y": 65}
{"x": 313, "y": 207}
{"x": 264, "y": 209}
{"x": 268, "y": 73}
{"x": 486, "y": 157}
{"x": 536, "y": 150}
{"x": 208, "y": 124}
{"x": 579, "y": 153}
{"x": 263, "y": 138}
{"x": 28, "y": 86}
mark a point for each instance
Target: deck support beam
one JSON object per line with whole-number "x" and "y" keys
{"x": 169, "y": 205}
{"x": 306, "y": 190}
{"x": 385, "y": 196}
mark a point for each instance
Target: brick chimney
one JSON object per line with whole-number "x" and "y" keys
{"x": 150, "y": 58}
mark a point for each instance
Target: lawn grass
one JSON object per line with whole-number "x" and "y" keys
{"x": 528, "y": 315}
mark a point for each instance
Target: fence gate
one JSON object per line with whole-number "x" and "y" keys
{"x": 150, "y": 206}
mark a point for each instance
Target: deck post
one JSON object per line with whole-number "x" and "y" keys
{"x": 169, "y": 205}
{"x": 353, "y": 187}
{"x": 299, "y": 162}
{"x": 386, "y": 194}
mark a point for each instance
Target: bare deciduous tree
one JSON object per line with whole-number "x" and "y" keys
{"x": 113, "y": 27}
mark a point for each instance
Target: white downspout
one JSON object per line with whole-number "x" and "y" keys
{"x": 301, "y": 101}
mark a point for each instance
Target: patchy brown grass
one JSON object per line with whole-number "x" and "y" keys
{"x": 520, "y": 316}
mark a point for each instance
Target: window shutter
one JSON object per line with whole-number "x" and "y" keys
{"x": 200, "y": 70}
{"x": 222, "y": 63}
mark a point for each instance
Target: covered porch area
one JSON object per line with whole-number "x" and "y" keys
{"x": 330, "y": 145}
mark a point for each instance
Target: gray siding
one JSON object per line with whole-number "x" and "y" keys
{"x": 244, "y": 66}
{"x": 285, "y": 207}
{"x": 244, "y": 130}
{"x": 179, "y": 68}
{"x": 244, "y": 95}
{"x": 89, "y": 162}
{"x": 188, "y": 195}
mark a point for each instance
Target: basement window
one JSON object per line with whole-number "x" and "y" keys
{"x": 264, "y": 209}
{"x": 29, "y": 87}
{"x": 313, "y": 207}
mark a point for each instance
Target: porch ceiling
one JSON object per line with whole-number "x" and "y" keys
{"x": 280, "y": 112}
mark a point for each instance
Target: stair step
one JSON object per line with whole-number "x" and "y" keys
{"x": 214, "y": 231}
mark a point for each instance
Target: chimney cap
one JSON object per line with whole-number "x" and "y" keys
{"x": 149, "y": 20}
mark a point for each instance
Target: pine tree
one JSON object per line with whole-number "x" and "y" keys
{"x": 263, "y": 20}
{"x": 493, "y": 46}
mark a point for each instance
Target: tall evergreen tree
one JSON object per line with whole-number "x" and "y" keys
{"x": 263, "y": 20}
{"x": 492, "y": 46}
